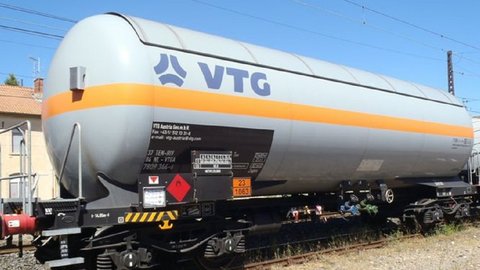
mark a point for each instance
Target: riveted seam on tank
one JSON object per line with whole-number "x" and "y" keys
{"x": 387, "y": 81}
{"x": 248, "y": 51}
{"x": 305, "y": 63}
{"x": 416, "y": 87}
{"x": 136, "y": 28}
{"x": 354, "y": 83}
{"x": 179, "y": 39}
{"x": 447, "y": 96}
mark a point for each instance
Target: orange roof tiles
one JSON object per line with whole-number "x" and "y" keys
{"x": 19, "y": 100}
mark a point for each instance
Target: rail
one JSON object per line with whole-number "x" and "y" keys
{"x": 25, "y": 164}
{"x": 76, "y": 127}
{"x": 312, "y": 255}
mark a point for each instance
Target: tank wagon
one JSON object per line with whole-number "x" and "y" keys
{"x": 183, "y": 141}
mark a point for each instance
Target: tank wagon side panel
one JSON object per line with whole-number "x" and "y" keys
{"x": 113, "y": 136}
{"x": 156, "y": 93}
{"x": 316, "y": 141}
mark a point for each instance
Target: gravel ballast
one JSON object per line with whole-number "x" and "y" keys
{"x": 459, "y": 250}
{"x": 13, "y": 262}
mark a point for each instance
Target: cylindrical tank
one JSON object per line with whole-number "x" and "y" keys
{"x": 155, "y": 92}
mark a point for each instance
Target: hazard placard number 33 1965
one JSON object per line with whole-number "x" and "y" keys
{"x": 242, "y": 186}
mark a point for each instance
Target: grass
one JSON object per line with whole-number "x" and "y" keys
{"x": 338, "y": 238}
{"x": 395, "y": 236}
{"x": 449, "y": 228}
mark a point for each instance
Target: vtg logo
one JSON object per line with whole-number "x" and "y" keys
{"x": 213, "y": 77}
{"x": 162, "y": 67}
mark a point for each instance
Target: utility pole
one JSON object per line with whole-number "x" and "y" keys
{"x": 451, "y": 87}
{"x": 36, "y": 67}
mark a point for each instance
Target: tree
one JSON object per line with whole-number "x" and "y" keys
{"x": 11, "y": 80}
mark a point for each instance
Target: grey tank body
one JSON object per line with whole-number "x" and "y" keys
{"x": 154, "y": 92}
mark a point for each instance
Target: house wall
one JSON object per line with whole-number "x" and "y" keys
{"x": 10, "y": 162}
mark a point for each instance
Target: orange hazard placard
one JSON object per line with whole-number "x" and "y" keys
{"x": 242, "y": 186}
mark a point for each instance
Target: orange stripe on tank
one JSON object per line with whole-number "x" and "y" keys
{"x": 169, "y": 97}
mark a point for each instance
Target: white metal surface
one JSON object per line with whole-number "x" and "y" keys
{"x": 308, "y": 156}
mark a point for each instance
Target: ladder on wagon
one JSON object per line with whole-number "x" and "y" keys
{"x": 24, "y": 205}
{"x": 63, "y": 233}
{"x": 22, "y": 202}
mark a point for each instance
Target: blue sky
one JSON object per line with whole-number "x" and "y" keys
{"x": 409, "y": 47}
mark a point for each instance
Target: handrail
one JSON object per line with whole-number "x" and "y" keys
{"x": 473, "y": 165}
{"x": 25, "y": 153}
{"x": 35, "y": 185}
{"x": 76, "y": 126}
{"x": 23, "y": 156}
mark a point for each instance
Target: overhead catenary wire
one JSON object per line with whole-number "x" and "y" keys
{"x": 17, "y": 75}
{"x": 364, "y": 23}
{"x": 468, "y": 99}
{"x": 462, "y": 57}
{"x": 466, "y": 102}
{"x": 31, "y": 32}
{"x": 413, "y": 25}
{"x": 468, "y": 71}
{"x": 35, "y": 12}
{"x": 31, "y": 23}
{"x": 297, "y": 28}
{"x": 26, "y": 44}
{"x": 468, "y": 74}
{"x": 463, "y": 72}
{"x": 473, "y": 111}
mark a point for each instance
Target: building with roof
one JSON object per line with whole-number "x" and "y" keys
{"x": 18, "y": 104}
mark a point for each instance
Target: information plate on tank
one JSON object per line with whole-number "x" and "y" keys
{"x": 154, "y": 197}
{"x": 242, "y": 186}
{"x": 212, "y": 162}
{"x": 171, "y": 145}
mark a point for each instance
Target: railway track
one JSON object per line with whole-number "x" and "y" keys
{"x": 308, "y": 256}
{"x": 366, "y": 243}
{"x": 14, "y": 249}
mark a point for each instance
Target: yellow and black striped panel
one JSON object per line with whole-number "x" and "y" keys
{"x": 143, "y": 217}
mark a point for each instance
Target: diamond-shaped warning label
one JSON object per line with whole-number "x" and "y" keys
{"x": 178, "y": 188}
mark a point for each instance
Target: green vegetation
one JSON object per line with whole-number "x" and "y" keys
{"x": 341, "y": 240}
{"x": 11, "y": 80}
{"x": 395, "y": 236}
{"x": 449, "y": 228}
